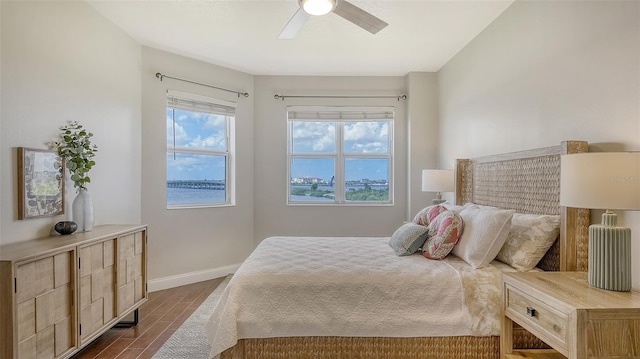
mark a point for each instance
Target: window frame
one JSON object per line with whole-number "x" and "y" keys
{"x": 339, "y": 154}
{"x": 228, "y": 153}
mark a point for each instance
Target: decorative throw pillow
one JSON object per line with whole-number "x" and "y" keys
{"x": 444, "y": 233}
{"x": 530, "y": 238}
{"x": 486, "y": 230}
{"x": 408, "y": 239}
{"x": 422, "y": 217}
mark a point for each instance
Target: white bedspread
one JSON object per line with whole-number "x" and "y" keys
{"x": 357, "y": 287}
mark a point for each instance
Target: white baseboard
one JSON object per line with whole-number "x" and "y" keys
{"x": 189, "y": 278}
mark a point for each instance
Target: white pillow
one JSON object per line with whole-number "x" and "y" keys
{"x": 530, "y": 238}
{"x": 486, "y": 230}
{"x": 455, "y": 207}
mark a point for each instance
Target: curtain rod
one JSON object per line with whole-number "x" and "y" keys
{"x": 282, "y": 97}
{"x": 161, "y": 77}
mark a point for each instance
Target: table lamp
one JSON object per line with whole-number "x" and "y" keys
{"x": 606, "y": 180}
{"x": 437, "y": 181}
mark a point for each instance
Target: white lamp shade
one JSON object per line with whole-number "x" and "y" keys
{"x": 606, "y": 180}
{"x": 437, "y": 181}
{"x": 317, "y": 7}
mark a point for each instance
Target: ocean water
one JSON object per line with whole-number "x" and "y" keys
{"x": 178, "y": 196}
{"x": 306, "y": 199}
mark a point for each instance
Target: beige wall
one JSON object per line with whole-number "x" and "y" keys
{"x": 193, "y": 240}
{"x": 272, "y": 215}
{"x": 61, "y": 61}
{"x": 422, "y": 136}
{"x": 1, "y": 117}
{"x": 543, "y": 72}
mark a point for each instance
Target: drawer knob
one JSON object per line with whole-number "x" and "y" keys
{"x": 531, "y": 311}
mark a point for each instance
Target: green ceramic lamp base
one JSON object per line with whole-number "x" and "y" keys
{"x": 610, "y": 255}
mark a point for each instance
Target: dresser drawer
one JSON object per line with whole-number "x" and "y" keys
{"x": 530, "y": 312}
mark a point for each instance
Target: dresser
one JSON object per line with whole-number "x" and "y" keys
{"x": 577, "y": 320}
{"x": 59, "y": 293}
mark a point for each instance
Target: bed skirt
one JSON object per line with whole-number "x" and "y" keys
{"x": 465, "y": 347}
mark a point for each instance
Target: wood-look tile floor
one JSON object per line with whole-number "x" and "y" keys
{"x": 159, "y": 317}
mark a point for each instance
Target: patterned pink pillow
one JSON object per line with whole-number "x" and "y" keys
{"x": 444, "y": 232}
{"x": 428, "y": 214}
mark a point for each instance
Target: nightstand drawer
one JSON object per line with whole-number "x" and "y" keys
{"x": 566, "y": 313}
{"x": 537, "y": 314}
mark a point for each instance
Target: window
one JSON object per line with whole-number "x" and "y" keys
{"x": 340, "y": 155}
{"x": 200, "y": 146}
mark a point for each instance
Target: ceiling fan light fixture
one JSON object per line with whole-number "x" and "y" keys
{"x": 318, "y": 7}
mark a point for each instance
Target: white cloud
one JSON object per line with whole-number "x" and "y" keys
{"x": 215, "y": 122}
{"x": 315, "y": 136}
{"x": 181, "y": 135}
{"x": 367, "y": 137}
{"x": 216, "y": 141}
{"x": 366, "y": 131}
{"x": 182, "y": 163}
{"x": 195, "y": 166}
{"x": 184, "y": 115}
{"x": 370, "y": 147}
{"x": 194, "y": 129}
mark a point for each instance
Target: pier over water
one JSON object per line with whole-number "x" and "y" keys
{"x": 197, "y": 184}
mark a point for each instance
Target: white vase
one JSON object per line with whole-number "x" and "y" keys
{"x": 82, "y": 210}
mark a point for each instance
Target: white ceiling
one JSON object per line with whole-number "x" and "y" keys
{"x": 243, "y": 35}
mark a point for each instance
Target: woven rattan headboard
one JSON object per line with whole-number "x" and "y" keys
{"x": 529, "y": 182}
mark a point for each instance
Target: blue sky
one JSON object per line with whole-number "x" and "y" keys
{"x": 359, "y": 137}
{"x": 370, "y": 137}
{"x": 209, "y": 131}
{"x": 196, "y": 130}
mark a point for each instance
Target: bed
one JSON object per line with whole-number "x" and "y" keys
{"x": 526, "y": 181}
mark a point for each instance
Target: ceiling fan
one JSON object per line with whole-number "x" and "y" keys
{"x": 343, "y": 8}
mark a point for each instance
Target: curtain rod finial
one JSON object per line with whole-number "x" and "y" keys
{"x": 159, "y": 75}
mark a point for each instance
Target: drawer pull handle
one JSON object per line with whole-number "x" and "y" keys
{"x": 531, "y": 311}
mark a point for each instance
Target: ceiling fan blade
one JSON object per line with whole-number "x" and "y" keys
{"x": 359, "y": 17}
{"x": 294, "y": 25}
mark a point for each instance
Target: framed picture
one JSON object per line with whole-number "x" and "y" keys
{"x": 40, "y": 183}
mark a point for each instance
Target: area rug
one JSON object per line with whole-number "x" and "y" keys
{"x": 190, "y": 341}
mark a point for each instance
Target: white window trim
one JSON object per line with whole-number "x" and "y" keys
{"x": 339, "y": 156}
{"x": 230, "y": 173}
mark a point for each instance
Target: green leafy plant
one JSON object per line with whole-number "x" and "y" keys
{"x": 74, "y": 146}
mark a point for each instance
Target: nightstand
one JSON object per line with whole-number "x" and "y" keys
{"x": 578, "y": 321}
